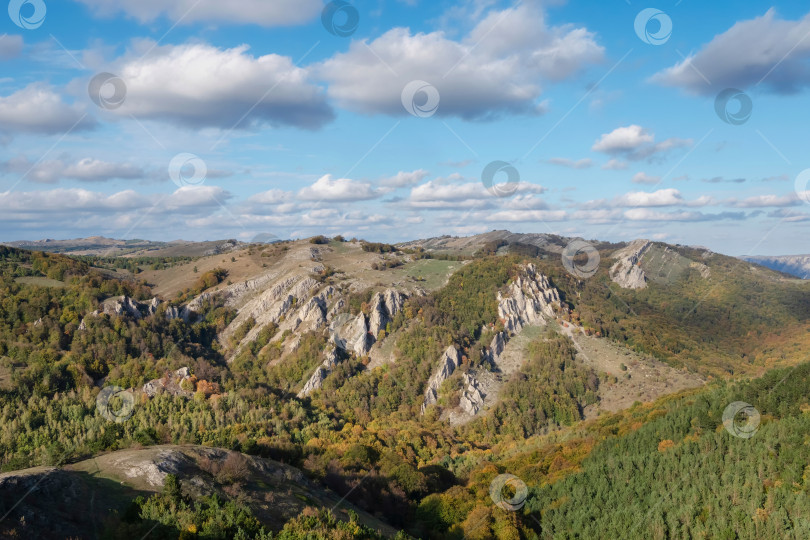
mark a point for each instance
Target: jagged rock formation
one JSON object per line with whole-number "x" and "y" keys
{"x": 528, "y": 300}
{"x": 323, "y": 371}
{"x": 472, "y": 397}
{"x": 448, "y": 363}
{"x": 124, "y": 306}
{"x": 496, "y": 347}
{"x": 171, "y": 383}
{"x": 627, "y": 272}
{"x": 356, "y": 334}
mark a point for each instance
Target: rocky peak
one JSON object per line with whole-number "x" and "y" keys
{"x": 528, "y": 300}
{"x": 627, "y": 271}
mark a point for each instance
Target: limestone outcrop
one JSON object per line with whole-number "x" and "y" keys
{"x": 627, "y": 272}
{"x": 316, "y": 381}
{"x": 448, "y": 363}
{"x": 528, "y": 300}
{"x": 172, "y": 384}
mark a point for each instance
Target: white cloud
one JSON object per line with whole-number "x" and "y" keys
{"x": 10, "y": 46}
{"x": 585, "y": 163}
{"x": 339, "y": 189}
{"x": 197, "y": 85}
{"x": 38, "y": 109}
{"x": 765, "y": 201}
{"x": 765, "y": 49}
{"x": 85, "y": 170}
{"x": 645, "y": 214}
{"x": 261, "y": 12}
{"x": 67, "y": 200}
{"x": 476, "y": 78}
{"x": 662, "y": 197}
{"x": 644, "y": 178}
{"x": 635, "y": 143}
{"x": 404, "y": 179}
{"x": 528, "y": 215}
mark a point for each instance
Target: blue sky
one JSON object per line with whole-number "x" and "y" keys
{"x": 207, "y": 119}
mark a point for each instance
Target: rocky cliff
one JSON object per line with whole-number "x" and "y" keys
{"x": 627, "y": 271}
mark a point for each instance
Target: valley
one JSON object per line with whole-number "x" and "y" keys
{"x": 335, "y": 384}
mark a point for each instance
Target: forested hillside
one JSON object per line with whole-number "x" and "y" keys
{"x": 362, "y": 434}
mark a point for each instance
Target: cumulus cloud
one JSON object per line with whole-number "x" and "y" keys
{"x": 635, "y": 143}
{"x": 67, "y": 200}
{"x": 767, "y": 48}
{"x": 261, "y": 12}
{"x": 662, "y": 197}
{"x": 197, "y": 85}
{"x": 85, "y": 170}
{"x": 37, "y": 108}
{"x": 404, "y": 179}
{"x": 10, "y": 46}
{"x": 585, "y": 163}
{"x": 440, "y": 194}
{"x": 476, "y": 78}
{"x": 338, "y": 190}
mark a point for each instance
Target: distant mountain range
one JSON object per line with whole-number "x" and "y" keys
{"x": 795, "y": 265}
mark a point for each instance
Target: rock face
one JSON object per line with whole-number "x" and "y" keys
{"x": 627, "y": 272}
{"x": 171, "y": 383}
{"x": 353, "y": 334}
{"x": 472, "y": 398}
{"x": 124, "y": 306}
{"x": 448, "y": 363}
{"x": 528, "y": 300}
{"x": 323, "y": 371}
